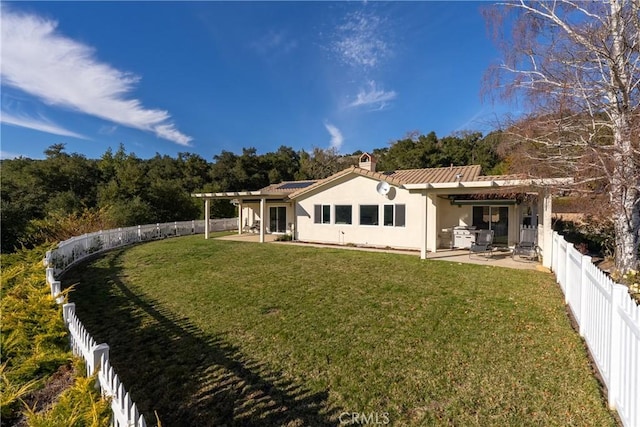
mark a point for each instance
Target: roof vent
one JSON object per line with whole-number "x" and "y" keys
{"x": 367, "y": 162}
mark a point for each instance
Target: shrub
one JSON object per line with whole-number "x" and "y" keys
{"x": 33, "y": 336}
{"x": 594, "y": 234}
{"x": 58, "y": 226}
{"x": 77, "y": 406}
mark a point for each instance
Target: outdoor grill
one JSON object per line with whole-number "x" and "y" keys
{"x": 462, "y": 237}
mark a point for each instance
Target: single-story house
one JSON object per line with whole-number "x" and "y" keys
{"x": 417, "y": 209}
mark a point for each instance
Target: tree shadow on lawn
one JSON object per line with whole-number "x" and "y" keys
{"x": 171, "y": 367}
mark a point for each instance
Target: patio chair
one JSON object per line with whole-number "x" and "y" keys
{"x": 483, "y": 244}
{"x": 255, "y": 228}
{"x": 528, "y": 245}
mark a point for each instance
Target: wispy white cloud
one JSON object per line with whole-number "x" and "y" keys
{"x": 372, "y": 97}
{"x": 336, "y": 136}
{"x": 107, "y": 130}
{"x": 362, "y": 40}
{"x": 275, "y": 43}
{"x": 4, "y": 155}
{"x": 62, "y": 72}
{"x": 37, "y": 123}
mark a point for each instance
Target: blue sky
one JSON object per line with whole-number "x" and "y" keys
{"x": 203, "y": 77}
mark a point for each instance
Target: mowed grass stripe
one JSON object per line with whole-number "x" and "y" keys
{"x": 219, "y": 332}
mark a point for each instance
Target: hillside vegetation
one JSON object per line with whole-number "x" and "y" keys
{"x": 67, "y": 194}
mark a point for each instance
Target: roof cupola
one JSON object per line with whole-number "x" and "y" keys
{"x": 367, "y": 162}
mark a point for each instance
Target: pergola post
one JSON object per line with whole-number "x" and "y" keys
{"x": 207, "y": 210}
{"x": 240, "y": 219}
{"x": 262, "y": 219}
{"x": 547, "y": 231}
{"x": 432, "y": 222}
{"x": 423, "y": 240}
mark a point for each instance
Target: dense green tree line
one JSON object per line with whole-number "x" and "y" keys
{"x": 68, "y": 193}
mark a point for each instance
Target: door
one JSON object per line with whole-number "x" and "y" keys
{"x": 278, "y": 219}
{"x": 494, "y": 218}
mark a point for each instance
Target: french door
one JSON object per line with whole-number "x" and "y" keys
{"x": 278, "y": 219}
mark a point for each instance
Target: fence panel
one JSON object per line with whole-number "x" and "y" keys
{"x": 96, "y": 356}
{"x": 626, "y": 387}
{"x": 596, "y": 323}
{"x": 573, "y": 286}
{"x": 561, "y": 262}
{"x": 609, "y": 321}
{"x": 77, "y": 248}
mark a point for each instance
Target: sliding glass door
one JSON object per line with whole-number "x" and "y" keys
{"x": 278, "y": 219}
{"x": 494, "y": 218}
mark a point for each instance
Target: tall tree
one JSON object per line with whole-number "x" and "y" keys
{"x": 320, "y": 164}
{"x": 576, "y": 66}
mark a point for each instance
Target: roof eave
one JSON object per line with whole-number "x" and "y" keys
{"x": 538, "y": 182}
{"x": 239, "y": 194}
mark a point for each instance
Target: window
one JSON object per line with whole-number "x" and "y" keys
{"x": 322, "y": 214}
{"x": 394, "y": 215}
{"x": 368, "y": 214}
{"x": 388, "y": 215}
{"x": 400, "y": 215}
{"x": 342, "y": 214}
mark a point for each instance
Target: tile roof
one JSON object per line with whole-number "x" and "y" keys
{"x": 436, "y": 175}
{"x": 500, "y": 177}
{"x": 287, "y": 187}
{"x": 402, "y": 177}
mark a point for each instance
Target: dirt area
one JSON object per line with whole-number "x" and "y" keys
{"x": 44, "y": 398}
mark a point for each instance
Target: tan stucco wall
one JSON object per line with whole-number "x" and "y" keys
{"x": 356, "y": 191}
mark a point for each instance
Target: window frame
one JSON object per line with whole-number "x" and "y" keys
{"x": 397, "y": 209}
{"x": 385, "y": 219}
{"x": 375, "y": 223}
{"x": 319, "y": 211}
{"x": 335, "y": 214}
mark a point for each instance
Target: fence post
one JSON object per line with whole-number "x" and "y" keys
{"x": 56, "y": 290}
{"x": 554, "y": 252}
{"x": 98, "y": 352}
{"x": 569, "y": 289}
{"x": 67, "y": 310}
{"x": 49, "y": 275}
{"x": 618, "y": 293}
{"x": 585, "y": 260}
{"x": 139, "y": 233}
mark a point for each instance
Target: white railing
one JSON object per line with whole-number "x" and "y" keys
{"x": 77, "y": 248}
{"x": 609, "y": 322}
{"x": 96, "y": 356}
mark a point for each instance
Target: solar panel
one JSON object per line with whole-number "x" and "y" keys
{"x": 295, "y": 185}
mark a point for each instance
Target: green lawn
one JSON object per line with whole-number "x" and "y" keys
{"x": 209, "y": 332}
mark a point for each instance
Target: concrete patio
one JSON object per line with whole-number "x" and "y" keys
{"x": 499, "y": 258}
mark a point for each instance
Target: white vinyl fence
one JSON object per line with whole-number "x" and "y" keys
{"x": 609, "y": 322}
{"x": 77, "y": 248}
{"x": 96, "y": 356}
